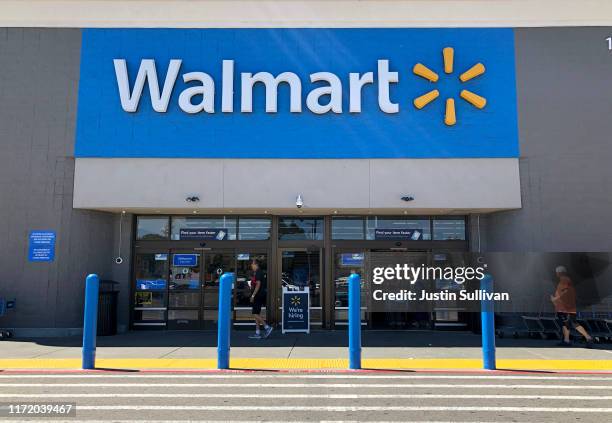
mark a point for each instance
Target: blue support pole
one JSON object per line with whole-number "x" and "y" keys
{"x": 488, "y": 325}
{"x": 354, "y": 317}
{"x": 90, "y": 321}
{"x": 225, "y": 320}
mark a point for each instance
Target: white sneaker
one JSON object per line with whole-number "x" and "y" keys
{"x": 255, "y": 336}
{"x": 268, "y": 331}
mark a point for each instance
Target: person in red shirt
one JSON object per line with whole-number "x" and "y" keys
{"x": 564, "y": 300}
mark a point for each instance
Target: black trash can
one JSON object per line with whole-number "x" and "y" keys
{"x": 107, "y": 308}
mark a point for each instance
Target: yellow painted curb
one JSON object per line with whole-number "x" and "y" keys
{"x": 306, "y": 363}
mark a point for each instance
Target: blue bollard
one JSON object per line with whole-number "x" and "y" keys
{"x": 488, "y": 325}
{"x": 225, "y": 320}
{"x": 354, "y": 317}
{"x": 90, "y": 321}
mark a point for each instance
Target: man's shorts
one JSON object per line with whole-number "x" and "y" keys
{"x": 258, "y": 302}
{"x": 567, "y": 319}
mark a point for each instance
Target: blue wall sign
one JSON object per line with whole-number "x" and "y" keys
{"x": 186, "y": 234}
{"x": 41, "y": 246}
{"x": 399, "y": 234}
{"x": 294, "y": 93}
{"x": 186, "y": 260}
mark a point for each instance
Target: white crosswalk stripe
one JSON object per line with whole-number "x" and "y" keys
{"x": 329, "y": 397}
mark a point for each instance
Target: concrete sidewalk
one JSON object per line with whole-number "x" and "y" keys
{"x": 325, "y": 349}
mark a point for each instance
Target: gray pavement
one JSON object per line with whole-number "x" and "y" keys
{"x": 294, "y": 397}
{"x": 322, "y": 344}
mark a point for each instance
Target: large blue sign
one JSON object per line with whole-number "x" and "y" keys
{"x": 41, "y": 246}
{"x": 297, "y": 93}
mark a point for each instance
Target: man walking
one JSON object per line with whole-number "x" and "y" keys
{"x": 564, "y": 301}
{"x": 259, "y": 287}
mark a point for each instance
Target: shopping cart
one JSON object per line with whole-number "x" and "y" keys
{"x": 5, "y": 306}
{"x": 544, "y": 323}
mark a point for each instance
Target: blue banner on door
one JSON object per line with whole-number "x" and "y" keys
{"x": 297, "y": 93}
{"x": 41, "y": 246}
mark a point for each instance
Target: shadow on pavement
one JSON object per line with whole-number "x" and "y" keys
{"x": 372, "y": 339}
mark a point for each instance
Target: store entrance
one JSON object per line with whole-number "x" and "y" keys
{"x": 178, "y": 288}
{"x": 394, "y": 319}
{"x": 441, "y": 315}
{"x": 299, "y": 268}
{"x": 193, "y": 287}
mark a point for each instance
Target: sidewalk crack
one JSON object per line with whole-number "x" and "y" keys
{"x": 292, "y": 347}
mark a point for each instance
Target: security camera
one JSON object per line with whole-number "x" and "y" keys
{"x": 119, "y": 260}
{"x": 408, "y": 198}
{"x": 299, "y": 203}
{"x": 192, "y": 199}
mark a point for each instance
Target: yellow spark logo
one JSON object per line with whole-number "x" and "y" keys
{"x": 475, "y": 100}
{"x": 295, "y": 300}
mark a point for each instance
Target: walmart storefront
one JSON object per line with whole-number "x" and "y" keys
{"x": 318, "y": 152}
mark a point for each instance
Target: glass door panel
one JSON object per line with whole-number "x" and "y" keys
{"x": 150, "y": 274}
{"x": 301, "y": 268}
{"x": 242, "y": 288}
{"x": 184, "y": 291}
{"x": 214, "y": 265}
{"x": 345, "y": 264}
{"x": 394, "y": 319}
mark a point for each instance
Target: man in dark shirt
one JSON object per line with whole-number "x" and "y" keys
{"x": 259, "y": 288}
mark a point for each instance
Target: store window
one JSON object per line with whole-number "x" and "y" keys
{"x": 291, "y": 229}
{"x": 224, "y": 227}
{"x": 254, "y": 229}
{"x": 348, "y": 228}
{"x": 148, "y": 228}
{"x": 417, "y": 228}
{"x": 449, "y": 229}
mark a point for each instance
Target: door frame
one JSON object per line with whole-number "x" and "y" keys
{"x": 275, "y": 286}
{"x": 203, "y": 253}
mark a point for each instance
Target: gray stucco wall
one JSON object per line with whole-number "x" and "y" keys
{"x": 564, "y": 87}
{"x": 39, "y": 71}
